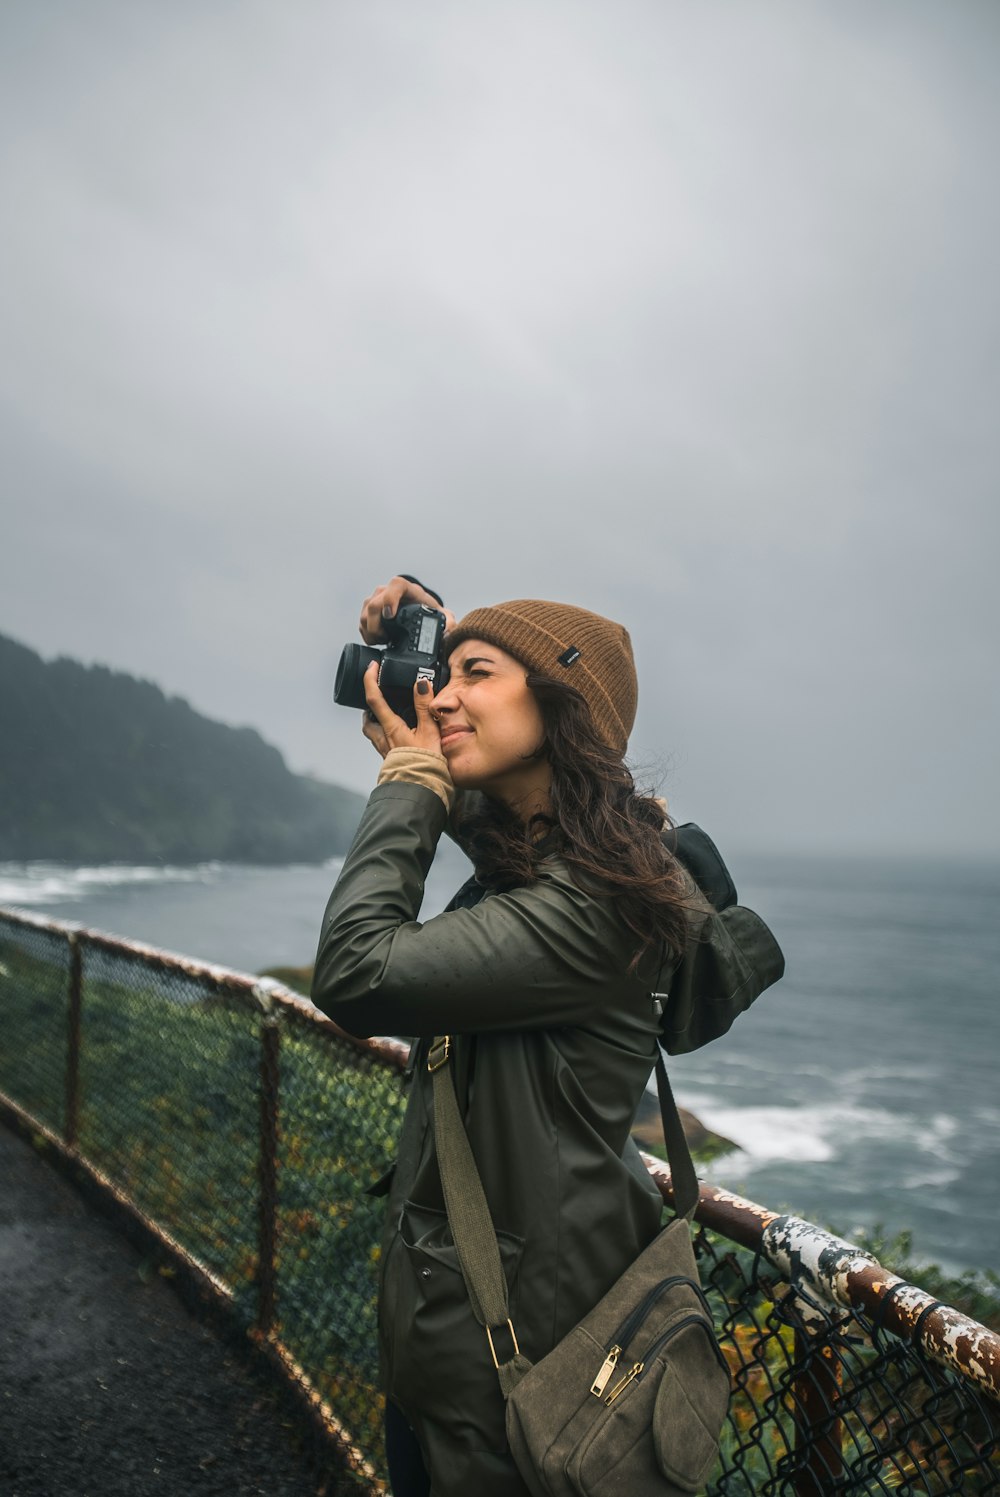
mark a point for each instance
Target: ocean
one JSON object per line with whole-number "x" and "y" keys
{"x": 861, "y": 1090}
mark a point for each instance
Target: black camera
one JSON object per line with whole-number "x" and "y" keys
{"x": 412, "y": 654}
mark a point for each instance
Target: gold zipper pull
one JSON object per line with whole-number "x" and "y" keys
{"x": 620, "y": 1387}
{"x": 608, "y": 1366}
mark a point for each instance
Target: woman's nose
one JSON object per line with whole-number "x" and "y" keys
{"x": 445, "y": 700}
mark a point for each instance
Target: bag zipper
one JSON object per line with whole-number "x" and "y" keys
{"x": 618, "y": 1388}
{"x": 608, "y": 1366}
{"x": 639, "y": 1367}
{"x": 631, "y": 1324}
{"x": 634, "y": 1320}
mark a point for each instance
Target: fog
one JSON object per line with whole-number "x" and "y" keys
{"x": 684, "y": 313}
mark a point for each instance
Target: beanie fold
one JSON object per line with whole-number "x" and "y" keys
{"x": 589, "y": 652}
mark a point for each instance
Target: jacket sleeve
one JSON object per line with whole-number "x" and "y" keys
{"x": 728, "y": 964}
{"x": 535, "y": 957}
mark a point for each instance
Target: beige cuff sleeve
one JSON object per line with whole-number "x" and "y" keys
{"x": 415, "y": 766}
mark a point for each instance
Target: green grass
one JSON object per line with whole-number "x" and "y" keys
{"x": 34, "y": 1012}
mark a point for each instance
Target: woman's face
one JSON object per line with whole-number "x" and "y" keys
{"x": 491, "y": 727}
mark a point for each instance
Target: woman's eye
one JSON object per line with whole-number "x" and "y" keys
{"x": 475, "y": 671}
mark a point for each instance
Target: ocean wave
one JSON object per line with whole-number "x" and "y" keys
{"x": 861, "y": 1076}
{"x": 763, "y": 1134}
{"x": 45, "y": 883}
{"x": 818, "y": 1134}
{"x": 928, "y": 1179}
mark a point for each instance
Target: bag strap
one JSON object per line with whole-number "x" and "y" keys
{"x": 469, "y": 1213}
{"x": 683, "y": 1175}
{"x": 471, "y": 1224}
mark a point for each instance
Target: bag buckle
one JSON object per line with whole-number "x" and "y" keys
{"x": 440, "y": 1052}
{"x": 493, "y": 1350}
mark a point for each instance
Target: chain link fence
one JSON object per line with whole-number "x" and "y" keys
{"x": 827, "y": 1401}
{"x": 242, "y": 1130}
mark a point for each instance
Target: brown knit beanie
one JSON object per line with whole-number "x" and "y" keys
{"x": 583, "y": 649}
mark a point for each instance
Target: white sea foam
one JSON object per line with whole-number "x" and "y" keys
{"x": 766, "y": 1133}
{"x": 862, "y": 1076}
{"x": 48, "y": 883}
{"x": 817, "y": 1134}
{"x": 920, "y": 1179}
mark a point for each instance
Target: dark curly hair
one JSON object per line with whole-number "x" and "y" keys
{"x": 609, "y": 834}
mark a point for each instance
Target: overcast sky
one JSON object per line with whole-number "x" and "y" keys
{"x": 685, "y": 311}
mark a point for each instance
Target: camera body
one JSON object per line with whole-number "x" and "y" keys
{"x": 413, "y": 653}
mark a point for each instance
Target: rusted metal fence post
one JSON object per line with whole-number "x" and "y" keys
{"x": 818, "y": 1435}
{"x": 73, "y": 1039}
{"x": 270, "y": 1046}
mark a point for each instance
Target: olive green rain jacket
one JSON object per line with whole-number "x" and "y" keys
{"x": 554, "y": 1043}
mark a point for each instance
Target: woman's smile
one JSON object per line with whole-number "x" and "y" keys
{"x": 451, "y": 732}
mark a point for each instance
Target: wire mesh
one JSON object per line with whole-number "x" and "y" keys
{"x": 169, "y": 1105}
{"x": 34, "y": 968}
{"x": 251, "y": 1130}
{"x": 341, "y": 1112}
{"x": 825, "y": 1401}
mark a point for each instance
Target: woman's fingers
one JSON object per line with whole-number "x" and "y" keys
{"x": 374, "y": 733}
{"x": 370, "y": 623}
{"x": 389, "y": 730}
{"x": 427, "y": 734}
{"x": 385, "y": 602}
{"x": 383, "y": 713}
{"x": 396, "y": 732}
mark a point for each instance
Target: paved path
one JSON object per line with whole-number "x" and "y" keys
{"x": 108, "y": 1386}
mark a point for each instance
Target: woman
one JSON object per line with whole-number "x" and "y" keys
{"x": 542, "y": 971}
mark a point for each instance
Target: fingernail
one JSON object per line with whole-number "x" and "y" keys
{"x": 387, "y": 611}
{"x": 423, "y": 687}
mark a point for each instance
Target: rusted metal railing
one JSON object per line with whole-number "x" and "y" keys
{"x": 73, "y": 1038}
{"x": 841, "y": 1274}
{"x": 846, "y": 1378}
{"x": 267, "y": 1172}
{"x": 831, "y": 1291}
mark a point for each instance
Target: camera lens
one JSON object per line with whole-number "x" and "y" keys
{"x": 349, "y": 687}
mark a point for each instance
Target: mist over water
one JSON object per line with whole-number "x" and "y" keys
{"x": 860, "y": 1090}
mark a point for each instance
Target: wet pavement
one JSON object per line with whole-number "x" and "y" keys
{"x": 109, "y": 1387}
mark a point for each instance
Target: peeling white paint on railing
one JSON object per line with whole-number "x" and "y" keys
{"x": 842, "y": 1277}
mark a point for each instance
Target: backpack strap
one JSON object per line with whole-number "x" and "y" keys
{"x": 683, "y": 1176}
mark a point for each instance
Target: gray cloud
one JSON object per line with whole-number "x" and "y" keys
{"x": 686, "y": 313}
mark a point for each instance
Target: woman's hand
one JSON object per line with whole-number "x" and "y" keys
{"x": 387, "y": 730}
{"x": 385, "y": 602}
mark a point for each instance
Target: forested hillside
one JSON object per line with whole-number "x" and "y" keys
{"x": 96, "y": 766}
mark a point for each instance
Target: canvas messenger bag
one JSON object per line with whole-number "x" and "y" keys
{"x": 632, "y": 1401}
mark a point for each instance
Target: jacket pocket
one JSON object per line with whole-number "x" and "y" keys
{"x": 439, "y": 1361}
